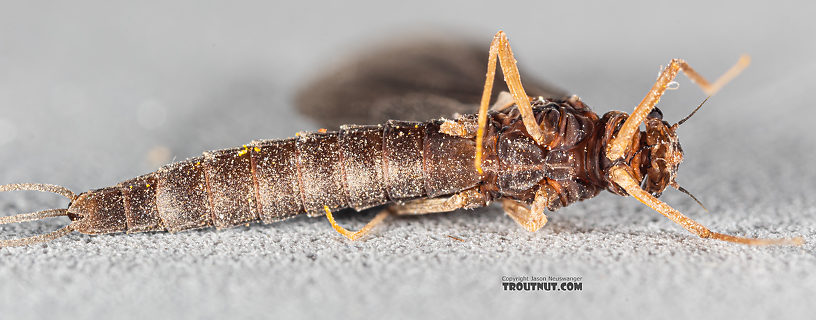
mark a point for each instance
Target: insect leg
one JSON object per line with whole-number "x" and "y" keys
{"x": 467, "y": 199}
{"x": 359, "y": 233}
{"x": 622, "y": 177}
{"x": 500, "y": 48}
{"x": 464, "y": 200}
{"x": 463, "y": 128}
{"x": 621, "y": 142}
{"x": 532, "y": 218}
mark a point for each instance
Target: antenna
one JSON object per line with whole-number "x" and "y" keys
{"x": 691, "y": 114}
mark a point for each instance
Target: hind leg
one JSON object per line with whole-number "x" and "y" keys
{"x": 467, "y": 199}
{"x": 359, "y": 233}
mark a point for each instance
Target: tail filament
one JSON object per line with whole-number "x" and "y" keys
{"x": 33, "y": 216}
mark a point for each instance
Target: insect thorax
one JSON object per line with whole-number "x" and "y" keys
{"x": 517, "y": 167}
{"x": 572, "y": 163}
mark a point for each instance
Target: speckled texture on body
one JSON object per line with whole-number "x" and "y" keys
{"x": 94, "y": 94}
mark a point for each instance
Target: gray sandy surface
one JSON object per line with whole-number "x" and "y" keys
{"x": 95, "y": 93}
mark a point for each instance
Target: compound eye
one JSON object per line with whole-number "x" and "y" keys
{"x": 656, "y": 114}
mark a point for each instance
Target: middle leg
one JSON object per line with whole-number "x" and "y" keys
{"x": 531, "y": 218}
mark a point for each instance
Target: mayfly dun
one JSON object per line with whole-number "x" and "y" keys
{"x": 529, "y": 153}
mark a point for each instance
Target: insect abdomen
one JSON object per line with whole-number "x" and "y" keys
{"x": 270, "y": 180}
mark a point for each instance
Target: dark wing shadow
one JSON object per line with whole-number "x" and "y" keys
{"x": 417, "y": 79}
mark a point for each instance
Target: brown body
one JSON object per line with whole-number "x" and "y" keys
{"x": 531, "y": 154}
{"x": 271, "y": 180}
{"x": 358, "y": 167}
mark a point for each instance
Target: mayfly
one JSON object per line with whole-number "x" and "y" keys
{"x": 531, "y": 154}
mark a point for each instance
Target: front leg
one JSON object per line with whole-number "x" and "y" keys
{"x": 621, "y": 175}
{"x": 622, "y": 140}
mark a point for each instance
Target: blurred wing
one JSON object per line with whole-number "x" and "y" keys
{"x": 414, "y": 80}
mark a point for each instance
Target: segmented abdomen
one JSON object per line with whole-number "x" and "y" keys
{"x": 271, "y": 180}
